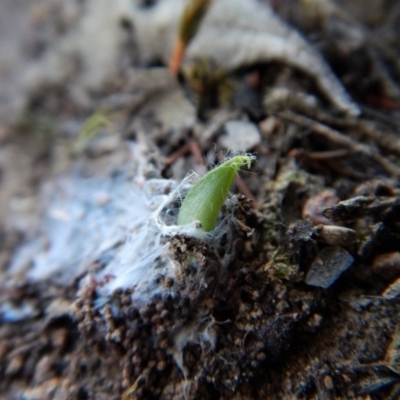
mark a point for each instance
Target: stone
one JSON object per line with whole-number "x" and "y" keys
{"x": 240, "y": 136}
{"x": 328, "y": 266}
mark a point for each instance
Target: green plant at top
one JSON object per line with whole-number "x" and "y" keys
{"x": 189, "y": 24}
{"x": 191, "y": 19}
{"x": 205, "y": 199}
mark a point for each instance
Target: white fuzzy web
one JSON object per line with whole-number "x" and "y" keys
{"x": 115, "y": 230}
{"x": 112, "y": 228}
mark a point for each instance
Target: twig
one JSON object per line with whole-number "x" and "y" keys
{"x": 177, "y": 154}
{"x": 320, "y": 155}
{"x": 341, "y": 140}
{"x": 196, "y": 151}
{"x": 384, "y": 138}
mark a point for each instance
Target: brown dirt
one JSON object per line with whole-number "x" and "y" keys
{"x": 270, "y": 334}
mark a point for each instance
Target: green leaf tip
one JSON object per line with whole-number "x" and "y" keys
{"x": 191, "y": 19}
{"x": 205, "y": 199}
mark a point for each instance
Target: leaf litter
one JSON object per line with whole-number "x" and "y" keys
{"x": 102, "y": 296}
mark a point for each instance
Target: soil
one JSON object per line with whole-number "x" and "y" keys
{"x": 300, "y": 299}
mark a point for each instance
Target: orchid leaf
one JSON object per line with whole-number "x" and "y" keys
{"x": 205, "y": 199}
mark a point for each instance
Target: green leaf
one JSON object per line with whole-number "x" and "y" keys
{"x": 191, "y": 19}
{"x": 205, "y": 199}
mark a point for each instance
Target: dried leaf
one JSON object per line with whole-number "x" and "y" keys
{"x": 235, "y": 34}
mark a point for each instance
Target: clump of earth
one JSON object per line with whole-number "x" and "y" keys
{"x": 294, "y": 294}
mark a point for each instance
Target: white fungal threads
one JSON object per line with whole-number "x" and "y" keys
{"x": 112, "y": 229}
{"x": 146, "y": 254}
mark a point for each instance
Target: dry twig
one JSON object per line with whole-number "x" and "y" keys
{"x": 339, "y": 139}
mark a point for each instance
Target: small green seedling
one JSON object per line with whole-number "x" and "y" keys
{"x": 204, "y": 201}
{"x": 189, "y": 24}
{"x": 90, "y": 129}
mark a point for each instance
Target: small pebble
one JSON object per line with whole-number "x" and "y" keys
{"x": 240, "y": 136}
{"x": 327, "y": 266}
